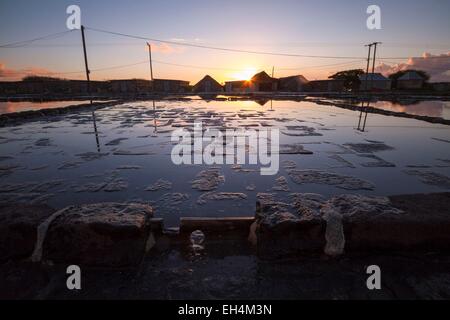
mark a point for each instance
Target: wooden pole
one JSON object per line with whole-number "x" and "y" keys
{"x": 373, "y": 65}
{"x": 150, "y": 59}
{"x": 151, "y": 64}
{"x": 86, "y": 65}
{"x": 368, "y": 64}
{"x": 365, "y": 84}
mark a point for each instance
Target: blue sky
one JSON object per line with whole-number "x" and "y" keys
{"x": 319, "y": 27}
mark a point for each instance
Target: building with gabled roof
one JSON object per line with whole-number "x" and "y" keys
{"x": 328, "y": 85}
{"x": 410, "y": 80}
{"x": 292, "y": 83}
{"x": 207, "y": 85}
{"x": 260, "y": 82}
{"x": 375, "y": 82}
{"x": 170, "y": 86}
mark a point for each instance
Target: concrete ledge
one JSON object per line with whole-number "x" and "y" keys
{"x": 349, "y": 223}
{"x": 18, "y": 229}
{"x": 214, "y": 226}
{"x": 119, "y": 235}
{"x": 104, "y": 234}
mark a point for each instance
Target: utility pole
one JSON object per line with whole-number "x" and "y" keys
{"x": 151, "y": 64}
{"x": 375, "y": 44}
{"x": 368, "y": 64}
{"x": 365, "y": 83}
{"x": 374, "y": 60}
{"x": 86, "y": 64}
{"x": 273, "y": 71}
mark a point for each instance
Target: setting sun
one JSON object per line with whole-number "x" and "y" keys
{"x": 245, "y": 74}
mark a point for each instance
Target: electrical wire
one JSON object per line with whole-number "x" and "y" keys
{"x": 187, "y": 44}
{"x": 21, "y": 44}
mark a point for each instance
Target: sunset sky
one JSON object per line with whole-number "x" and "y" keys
{"x": 333, "y": 28}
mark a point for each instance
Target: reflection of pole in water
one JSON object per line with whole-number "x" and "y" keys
{"x": 271, "y": 106}
{"x": 365, "y": 111}
{"x": 96, "y": 132}
{"x": 154, "y": 117}
{"x": 365, "y": 117}
{"x": 360, "y": 114}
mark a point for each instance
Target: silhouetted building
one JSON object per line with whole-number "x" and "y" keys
{"x": 238, "y": 86}
{"x": 330, "y": 85}
{"x": 410, "y": 80}
{"x": 170, "y": 86}
{"x": 374, "y": 81}
{"x": 130, "y": 86}
{"x": 207, "y": 84}
{"x": 37, "y": 86}
{"x": 260, "y": 82}
{"x": 292, "y": 83}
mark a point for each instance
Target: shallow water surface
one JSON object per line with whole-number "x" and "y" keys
{"x": 439, "y": 109}
{"x": 19, "y": 106}
{"x": 122, "y": 153}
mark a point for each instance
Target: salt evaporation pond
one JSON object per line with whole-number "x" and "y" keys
{"x": 439, "y": 109}
{"x": 19, "y": 106}
{"x": 125, "y": 156}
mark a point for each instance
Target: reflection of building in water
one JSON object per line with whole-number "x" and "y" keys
{"x": 262, "y": 102}
{"x": 420, "y": 108}
{"x": 208, "y": 97}
{"x": 446, "y": 109}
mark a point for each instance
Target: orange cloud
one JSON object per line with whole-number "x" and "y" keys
{"x": 17, "y": 74}
{"x": 165, "y": 48}
{"x": 437, "y": 66}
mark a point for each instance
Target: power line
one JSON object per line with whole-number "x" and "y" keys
{"x": 24, "y": 43}
{"x": 323, "y": 66}
{"x": 186, "y": 44}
